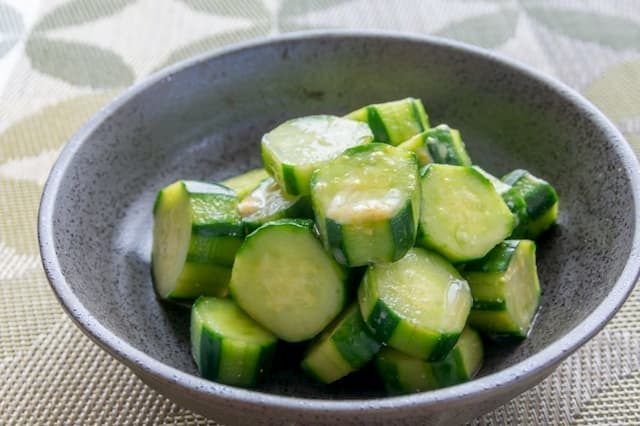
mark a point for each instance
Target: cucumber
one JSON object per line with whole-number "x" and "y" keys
{"x": 284, "y": 279}
{"x": 345, "y": 346}
{"x": 534, "y": 202}
{"x": 293, "y": 150}
{"x": 402, "y": 373}
{"x": 196, "y": 233}
{"x": 393, "y": 122}
{"x": 267, "y": 202}
{"x": 228, "y": 346}
{"x": 366, "y": 204}
{"x": 245, "y": 183}
{"x": 417, "y": 305}
{"x": 505, "y": 289}
{"x": 462, "y": 216}
{"x": 440, "y": 144}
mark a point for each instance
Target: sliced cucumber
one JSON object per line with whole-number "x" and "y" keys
{"x": 196, "y": 233}
{"x": 245, "y": 183}
{"x": 268, "y": 202}
{"x": 402, "y": 373}
{"x": 293, "y": 150}
{"x": 227, "y": 345}
{"x": 440, "y": 144}
{"x": 284, "y": 279}
{"x": 533, "y": 201}
{"x": 462, "y": 216}
{"x": 345, "y": 346}
{"x": 366, "y": 204}
{"x": 394, "y": 122}
{"x": 418, "y": 305}
{"x": 505, "y": 289}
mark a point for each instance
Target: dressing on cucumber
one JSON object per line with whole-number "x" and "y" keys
{"x": 403, "y": 373}
{"x": 228, "y": 346}
{"x": 285, "y": 280}
{"x": 417, "y": 305}
{"x": 196, "y": 233}
{"x": 345, "y": 346}
{"x": 294, "y": 149}
{"x": 366, "y": 204}
{"x": 462, "y": 216}
{"x": 505, "y": 289}
{"x": 267, "y": 202}
{"x": 393, "y": 122}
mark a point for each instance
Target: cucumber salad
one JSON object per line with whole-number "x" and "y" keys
{"x": 371, "y": 237}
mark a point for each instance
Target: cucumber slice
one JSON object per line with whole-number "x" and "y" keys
{"x": 345, "y": 346}
{"x": 366, "y": 204}
{"x": 418, "y": 305}
{"x": 402, "y": 373}
{"x": 283, "y": 278}
{"x": 394, "y": 122}
{"x": 440, "y": 144}
{"x": 293, "y": 150}
{"x": 505, "y": 289}
{"x": 268, "y": 202}
{"x": 196, "y": 233}
{"x": 227, "y": 345}
{"x": 245, "y": 183}
{"x": 462, "y": 216}
{"x": 533, "y": 201}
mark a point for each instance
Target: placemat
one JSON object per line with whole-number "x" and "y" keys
{"x": 61, "y": 60}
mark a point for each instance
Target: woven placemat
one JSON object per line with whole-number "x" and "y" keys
{"x": 61, "y": 60}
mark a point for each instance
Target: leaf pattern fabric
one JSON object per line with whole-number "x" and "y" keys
{"x": 61, "y": 60}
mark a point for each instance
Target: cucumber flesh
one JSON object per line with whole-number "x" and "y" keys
{"x": 462, "y": 216}
{"x": 534, "y": 202}
{"x": 417, "y": 305}
{"x": 284, "y": 279}
{"x": 394, "y": 122}
{"x": 366, "y": 204}
{"x": 245, "y": 183}
{"x": 403, "y": 373}
{"x": 505, "y": 289}
{"x": 227, "y": 345}
{"x": 196, "y": 233}
{"x": 345, "y": 346}
{"x": 293, "y": 150}
{"x": 267, "y": 202}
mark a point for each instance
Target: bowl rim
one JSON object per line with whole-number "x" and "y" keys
{"x": 507, "y": 378}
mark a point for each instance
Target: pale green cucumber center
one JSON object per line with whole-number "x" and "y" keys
{"x": 245, "y": 183}
{"x": 314, "y": 139}
{"x": 224, "y": 317}
{"x": 521, "y": 286}
{"x": 471, "y": 351}
{"x": 367, "y": 186}
{"x": 284, "y": 279}
{"x": 399, "y": 119}
{"x": 425, "y": 290}
{"x": 462, "y": 212}
{"x": 171, "y": 236}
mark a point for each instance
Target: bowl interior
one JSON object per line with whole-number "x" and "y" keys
{"x": 205, "y": 122}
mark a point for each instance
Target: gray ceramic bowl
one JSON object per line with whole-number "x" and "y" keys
{"x": 203, "y": 119}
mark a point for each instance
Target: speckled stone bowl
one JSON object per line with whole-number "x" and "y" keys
{"x": 203, "y": 119}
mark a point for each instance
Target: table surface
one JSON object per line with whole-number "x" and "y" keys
{"x": 61, "y": 60}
